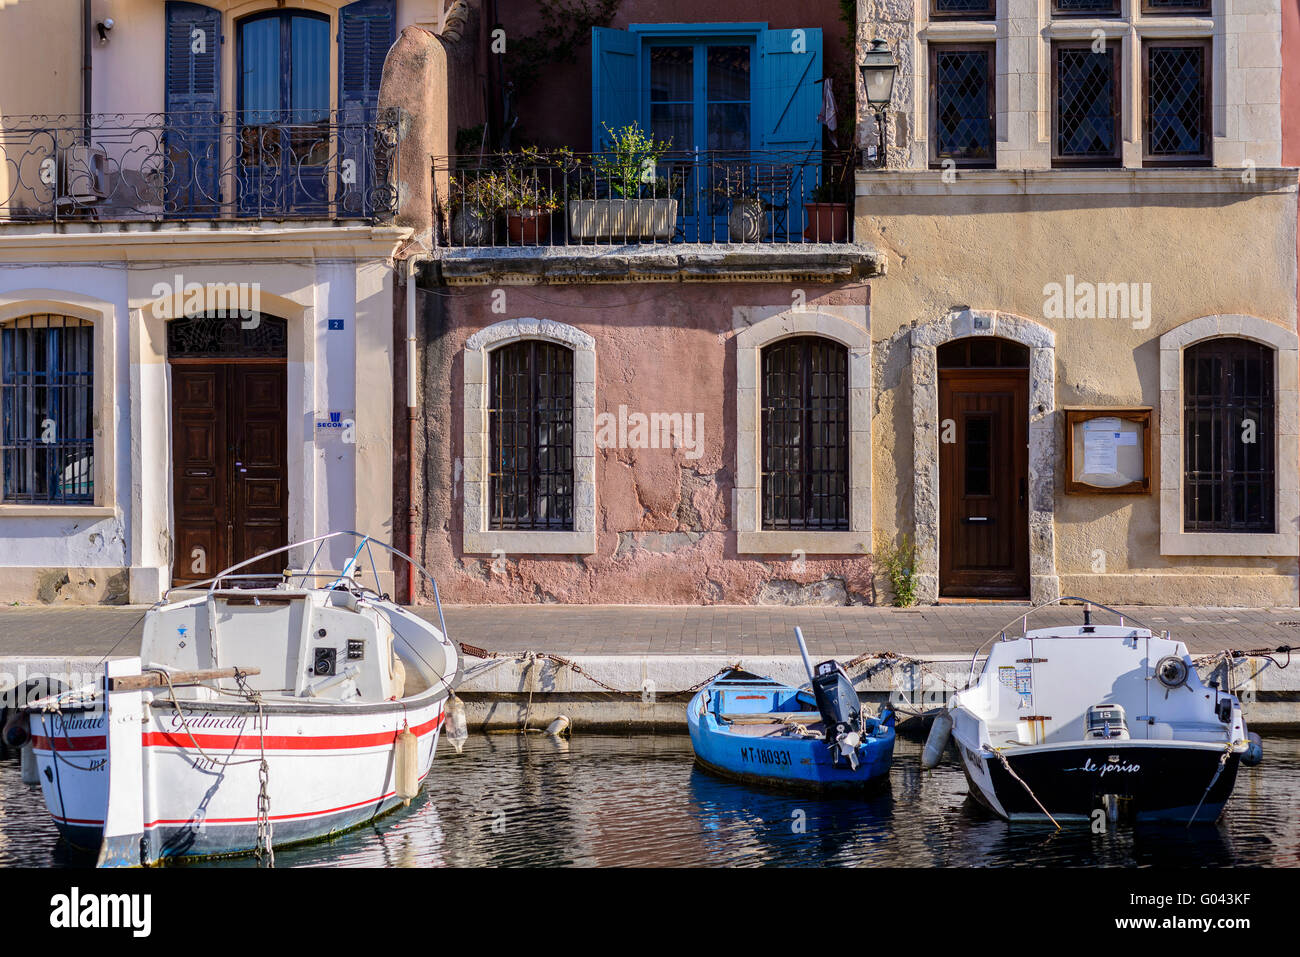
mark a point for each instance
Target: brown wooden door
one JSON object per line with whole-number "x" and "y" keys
{"x": 229, "y": 456}
{"x": 983, "y": 483}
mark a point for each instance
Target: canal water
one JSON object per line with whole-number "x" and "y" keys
{"x": 512, "y": 800}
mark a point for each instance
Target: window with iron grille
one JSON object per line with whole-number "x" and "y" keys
{"x": 1228, "y": 467}
{"x": 961, "y": 104}
{"x": 805, "y": 426}
{"x": 1086, "y": 8}
{"x": 1176, "y": 102}
{"x": 1085, "y": 104}
{"x": 47, "y": 372}
{"x": 961, "y": 9}
{"x": 1175, "y": 6}
{"x": 530, "y": 429}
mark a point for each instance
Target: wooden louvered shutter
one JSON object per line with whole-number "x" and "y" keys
{"x": 193, "y": 104}
{"x": 367, "y": 30}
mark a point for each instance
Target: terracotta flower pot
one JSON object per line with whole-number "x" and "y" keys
{"x": 528, "y": 227}
{"x": 827, "y": 222}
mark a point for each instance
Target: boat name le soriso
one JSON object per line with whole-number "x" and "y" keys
{"x": 1104, "y": 769}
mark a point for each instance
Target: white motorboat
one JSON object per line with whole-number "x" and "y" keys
{"x": 254, "y": 717}
{"x": 1069, "y": 721}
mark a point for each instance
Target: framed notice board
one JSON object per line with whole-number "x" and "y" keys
{"x": 1108, "y": 451}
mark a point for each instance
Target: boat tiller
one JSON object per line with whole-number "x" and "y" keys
{"x": 841, "y": 711}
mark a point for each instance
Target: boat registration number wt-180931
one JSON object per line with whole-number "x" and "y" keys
{"x": 764, "y": 756}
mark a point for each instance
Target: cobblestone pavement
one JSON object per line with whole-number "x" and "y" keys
{"x": 956, "y": 629}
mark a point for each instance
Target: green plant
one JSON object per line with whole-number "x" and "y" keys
{"x": 533, "y": 178}
{"x": 628, "y": 166}
{"x": 899, "y": 564}
{"x": 483, "y": 191}
{"x": 829, "y": 191}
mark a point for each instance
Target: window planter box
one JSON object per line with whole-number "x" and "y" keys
{"x": 631, "y": 219}
{"x": 827, "y": 222}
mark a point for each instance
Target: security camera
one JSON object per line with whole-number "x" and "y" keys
{"x": 104, "y": 26}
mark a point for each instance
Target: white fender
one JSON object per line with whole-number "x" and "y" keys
{"x": 937, "y": 742}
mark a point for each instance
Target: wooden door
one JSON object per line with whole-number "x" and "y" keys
{"x": 983, "y": 483}
{"x": 229, "y": 458}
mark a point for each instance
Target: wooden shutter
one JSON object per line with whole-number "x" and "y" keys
{"x": 193, "y": 104}
{"x": 615, "y": 86}
{"x": 367, "y": 31}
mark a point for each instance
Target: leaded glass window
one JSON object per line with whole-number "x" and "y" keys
{"x": 1176, "y": 102}
{"x": 1085, "y": 115}
{"x": 961, "y": 105}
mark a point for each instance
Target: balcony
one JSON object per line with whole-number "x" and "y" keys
{"x": 198, "y": 166}
{"x": 562, "y": 199}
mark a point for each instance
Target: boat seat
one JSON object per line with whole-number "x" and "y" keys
{"x": 772, "y": 717}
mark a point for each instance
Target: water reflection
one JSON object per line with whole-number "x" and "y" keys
{"x": 515, "y": 800}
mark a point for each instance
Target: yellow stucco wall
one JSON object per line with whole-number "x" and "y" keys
{"x": 1228, "y": 249}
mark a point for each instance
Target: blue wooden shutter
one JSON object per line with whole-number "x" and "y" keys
{"x": 787, "y": 101}
{"x": 193, "y": 104}
{"x": 615, "y": 90}
{"x": 787, "y": 94}
{"x": 367, "y": 31}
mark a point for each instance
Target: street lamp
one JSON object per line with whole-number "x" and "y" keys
{"x": 878, "y": 70}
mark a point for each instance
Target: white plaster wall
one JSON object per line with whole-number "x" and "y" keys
{"x": 333, "y": 484}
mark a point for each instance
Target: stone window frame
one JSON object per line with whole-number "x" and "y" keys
{"x": 21, "y": 304}
{"x": 477, "y": 538}
{"x": 1044, "y": 584}
{"x": 1023, "y": 101}
{"x": 751, "y": 537}
{"x": 1286, "y": 540}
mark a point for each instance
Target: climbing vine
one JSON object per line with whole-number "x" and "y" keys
{"x": 566, "y": 26}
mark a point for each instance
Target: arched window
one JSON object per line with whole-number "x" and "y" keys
{"x": 47, "y": 374}
{"x": 805, "y": 435}
{"x": 1228, "y": 435}
{"x": 530, "y": 428}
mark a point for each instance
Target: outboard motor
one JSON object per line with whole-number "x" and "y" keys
{"x": 1106, "y": 722}
{"x": 841, "y": 712}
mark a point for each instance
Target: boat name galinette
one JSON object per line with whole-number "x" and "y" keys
{"x": 207, "y": 720}
{"x": 76, "y": 910}
{"x": 1104, "y": 769}
{"x": 66, "y": 723}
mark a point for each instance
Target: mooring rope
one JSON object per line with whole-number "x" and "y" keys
{"x": 1011, "y": 771}
{"x": 1223, "y": 762}
{"x": 886, "y": 658}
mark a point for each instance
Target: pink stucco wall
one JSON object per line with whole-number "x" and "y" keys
{"x": 664, "y": 528}
{"x": 558, "y": 112}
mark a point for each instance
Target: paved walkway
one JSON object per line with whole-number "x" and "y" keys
{"x": 679, "y": 630}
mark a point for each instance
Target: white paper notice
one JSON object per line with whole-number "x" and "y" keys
{"x": 1100, "y": 440}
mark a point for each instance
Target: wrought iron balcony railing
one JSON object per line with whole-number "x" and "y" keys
{"x": 206, "y": 166}
{"x": 562, "y": 198}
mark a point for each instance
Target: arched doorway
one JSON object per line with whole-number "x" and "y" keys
{"x": 229, "y": 441}
{"x": 983, "y": 468}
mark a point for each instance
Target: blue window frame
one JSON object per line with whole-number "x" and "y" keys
{"x": 697, "y": 95}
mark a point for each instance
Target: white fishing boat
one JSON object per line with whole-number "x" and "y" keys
{"x": 1067, "y": 722}
{"x": 254, "y": 717}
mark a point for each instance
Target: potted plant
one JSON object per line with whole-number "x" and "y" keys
{"x": 747, "y": 220}
{"x": 828, "y": 214}
{"x": 477, "y": 195}
{"x": 635, "y": 207}
{"x": 530, "y": 192}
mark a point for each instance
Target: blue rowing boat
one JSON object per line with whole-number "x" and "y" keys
{"x": 754, "y": 729}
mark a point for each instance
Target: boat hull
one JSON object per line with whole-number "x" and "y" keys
{"x": 1147, "y": 783}
{"x": 784, "y": 762}
{"x": 200, "y": 779}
